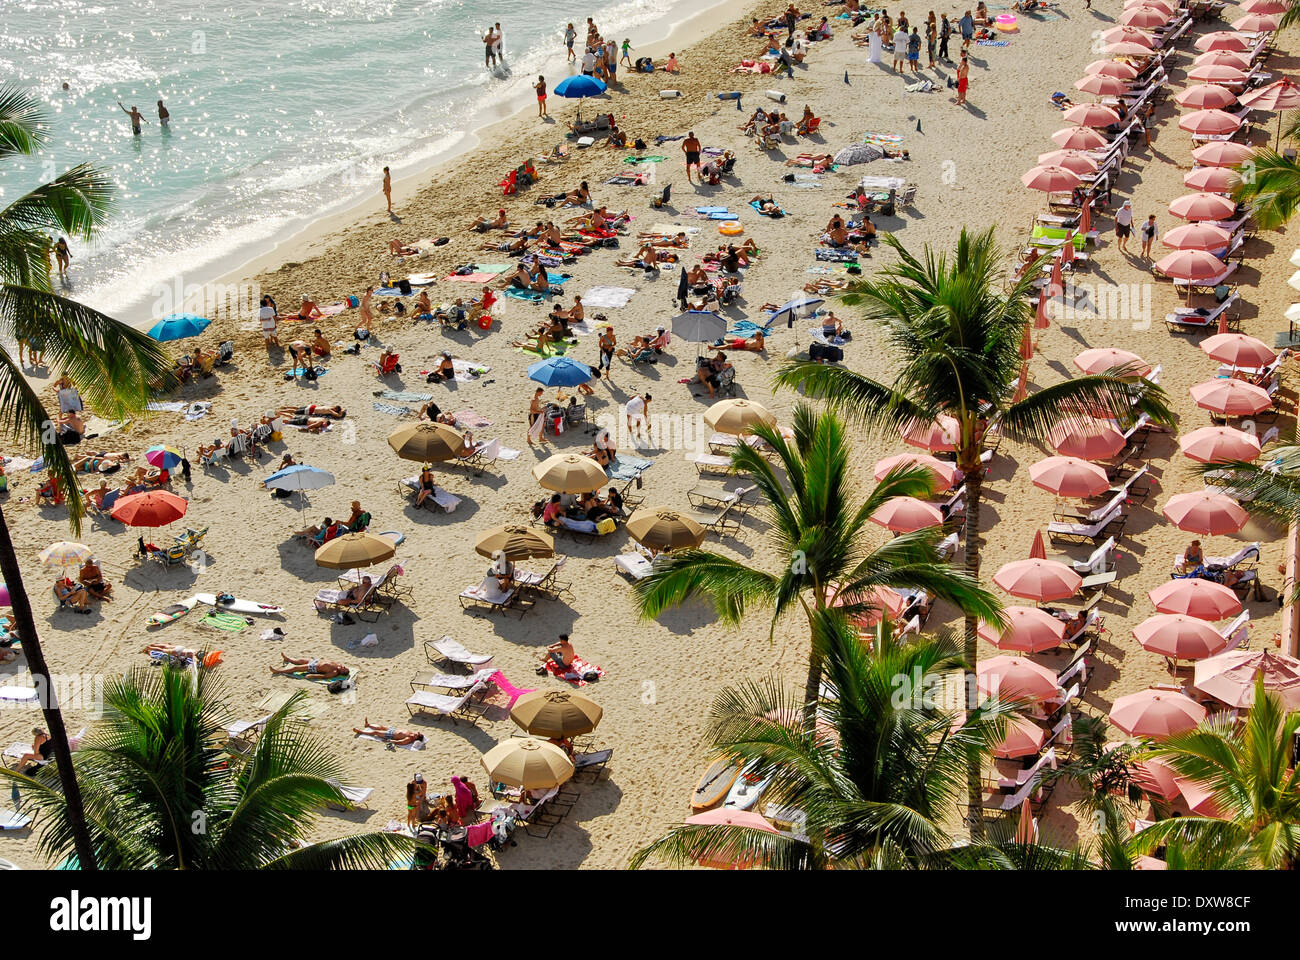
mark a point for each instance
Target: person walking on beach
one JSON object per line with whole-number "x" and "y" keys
{"x": 62, "y": 256}
{"x": 266, "y": 316}
{"x": 569, "y": 36}
{"x": 945, "y": 31}
{"x": 967, "y": 24}
{"x": 607, "y": 344}
{"x": 388, "y": 189}
{"x": 1149, "y": 234}
{"x": 536, "y": 428}
{"x": 1124, "y": 225}
{"x": 136, "y": 118}
{"x": 164, "y": 118}
{"x": 963, "y": 80}
{"x": 637, "y": 409}
{"x": 627, "y": 52}
{"x": 691, "y": 147}
{"x": 540, "y": 87}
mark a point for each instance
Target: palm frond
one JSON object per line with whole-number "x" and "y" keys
{"x": 23, "y": 126}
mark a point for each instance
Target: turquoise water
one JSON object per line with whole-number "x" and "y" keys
{"x": 280, "y": 111}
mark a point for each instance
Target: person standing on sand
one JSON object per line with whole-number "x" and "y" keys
{"x": 607, "y": 344}
{"x": 136, "y": 118}
{"x": 900, "y": 47}
{"x": 540, "y": 87}
{"x": 569, "y": 36}
{"x": 967, "y": 25}
{"x": 1149, "y": 233}
{"x": 691, "y": 147}
{"x": 627, "y": 52}
{"x": 931, "y": 37}
{"x": 945, "y": 31}
{"x": 914, "y": 50}
{"x": 963, "y": 80}
{"x": 536, "y": 428}
{"x": 366, "y": 315}
{"x": 388, "y": 189}
{"x": 1124, "y": 225}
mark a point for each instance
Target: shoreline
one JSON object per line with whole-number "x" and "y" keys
{"x": 305, "y": 238}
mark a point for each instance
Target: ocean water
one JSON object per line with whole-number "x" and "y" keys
{"x": 281, "y": 111}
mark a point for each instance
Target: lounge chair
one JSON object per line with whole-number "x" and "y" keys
{"x": 721, "y": 495}
{"x": 451, "y": 681}
{"x": 712, "y": 463}
{"x": 998, "y": 800}
{"x": 633, "y": 565}
{"x": 441, "y": 705}
{"x": 544, "y": 584}
{"x": 1099, "y": 561}
{"x": 11, "y": 821}
{"x": 242, "y": 735}
{"x": 724, "y": 522}
{"x": 447, "y": 650}
{"x": 490, "y": 595}
{"x": 1237, "y": 633}
{"x": 485, "y": 455}
{"x": 15, "y": 751}
{"x": 353, "y": 797}
{"x": 439, "y": 499}
{"x": 328, "y": 599}
{"x": 1111, "y": 524}
{"x": 1011, "y": 775}
{"x": 591, "y": 765}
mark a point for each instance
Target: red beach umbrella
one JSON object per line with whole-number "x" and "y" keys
{"x": 1101, "y": 359}
{"x": 1179, "y": 636}
{"x": 1078, "y": 138}
{"x": 154, "y": 508}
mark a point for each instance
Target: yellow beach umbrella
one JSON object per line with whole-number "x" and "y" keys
{"x": 556, "y": 713}
{"x": 427, "y": 442}
{"x": 514, "y": 543}
{"x": 527, "y": 764}
{"x": 737, "y": 416}
{"x": 570, "y": 473}
{"x": 355, "y": 550}
{"x": 661, "y": 529}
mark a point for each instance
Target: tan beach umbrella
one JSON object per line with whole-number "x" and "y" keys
{"x": 737, "y": 417}
{"x": 427, "y": 442}
{"x": 528, "y": 764}
{"x": 514, "y": 543}
{"x": 355, "y": 550}
{"x": 556, "y": 713}
{"x": 569, "y": 473}
{"x": 660, "y": 529}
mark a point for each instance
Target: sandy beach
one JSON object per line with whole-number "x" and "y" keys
{"x": 660, "y": 677}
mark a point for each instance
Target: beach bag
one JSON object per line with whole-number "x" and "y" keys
{"x": 591, "y": 676}
{"x": 309, "y": 374}
{"x": 485, "y": 321}
{"x": 606, "y": 525}
{"x": 354, "y": 302}
{"x": 405, "y": 287}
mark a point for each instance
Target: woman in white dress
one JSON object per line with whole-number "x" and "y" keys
{"x": 875, "y": 45}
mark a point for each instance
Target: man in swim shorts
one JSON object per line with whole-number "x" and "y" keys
{"x": 691, "y": 147}
{"x": 136, "y": 118}
{"x": 315, "y": 669}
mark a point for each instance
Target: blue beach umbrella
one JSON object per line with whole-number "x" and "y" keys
{"x": 575, "y": 88}
{"x": 299, "y": 477}
{"x": 178, "y": 326}
{"x": 798, "y": 307}
{"x": 559, "y": 372}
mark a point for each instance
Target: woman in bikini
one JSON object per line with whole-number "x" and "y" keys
{"x": 427, "y": 487}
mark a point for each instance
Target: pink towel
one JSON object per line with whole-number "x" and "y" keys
{"x": 478, "y": 834}
{"x": 506, "y": 687}
{"x": 472, "y": 277}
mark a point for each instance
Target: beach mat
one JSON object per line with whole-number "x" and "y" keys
{"x": 471, "y": 420}
{"x": 471, "y": 277}
{"x": 607, "y": 298}
{"x": 576, "y": 670}
{"x": 391, "y": 409}
{"x": 405, "y": 396}
{"x": 527, "y": 296}
{"x": 627, "y": 468}
{"x": 229, "y": 622}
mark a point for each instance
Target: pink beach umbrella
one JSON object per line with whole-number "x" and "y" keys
{"x": 1075, "y": 161}
{"x": 1069, "y": 477}
{"x": 1230, "y": 677}
{"x": 1051, "y": 179}
{"x": 1028, "y": 630}
{"x": 1112, "y": 68}
{"x": 1101, "y": 359}
{"x": 1039, "y": 580}
{"x": 1222, "y": 40}
{"x": 1279, "y": 96}
{"x": 1212, "y": 180}
{"x": 1199, "y": 235}
{"x": 1157, "y": 779}
{"x": 1231, "y": 398}
{"x": 1222, "y": 153}
{"x": 1216, "y": 73}
{"x": 1037, "y": 551}
{"x": 1205, "y": 96}
{"x": 1222, "y": 58}
{"x": 1143, "y": 16}
{"x": 1091, "y": 115}
{"x": 1101, "y": 85}
{"x": 906, "y": 514}
{"x": 877, "y": 598}
{"x": 1024, "y": 739}
{"x": 945, "y": 473}
{"x": 1124, "y": 34}
{"x": 1219, "y": 444}
{"x": 1086, "y": 439}
{"x": 1268, "y": 7}
{"x": 1156, "y": 713}
{"x": 1238, "y": 350}
{"x": 1205, "y": 512}
{"x": 4, "y": 596}
{"x": 1127, "y": 48}
{"x": 1209, "y": 123}
{"x": 1166, "y": 6}
{"x": 1257, "y": 23}
{"x": 1189, "y": 265}
{"x": 1014, "y": 678}
{"x": 724, "y": 816}
{"x": 1179, "y": 636}
{"x": 1078, "y": 138}
{"x": 939, "y": 435}
{"x": 1199, "y": 798}
{"x": 1202, "y": 206}
{"x": 1196, "y": 598}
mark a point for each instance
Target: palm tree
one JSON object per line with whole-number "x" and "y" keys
{"x": 821, "y": 539}
{"x": 110, "y": 363}
{"x": 1272, "y": 188}
{"x": 957, "y": 336}
{"x": 1247, "y": 767}
{"x": 875, "y": 779}
{"x": 161, "y": 793}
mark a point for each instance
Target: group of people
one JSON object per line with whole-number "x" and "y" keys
{"x": 89, "y": 585}
{"x": 328, "y": 529}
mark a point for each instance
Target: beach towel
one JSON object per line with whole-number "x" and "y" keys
{"x": 405, "y": 395}
{"x": 302, "y": 675}
{"x": 661, "y": 139}
{"x": 467, "y": 371}
{"x": 471, "y": 277}
{"x": 301, "y": 372}
{"x": 507, "y": 453}
{"x": 627, "y": 468}
{"x": 993, "y": 43}
{"x": 197, "y": 410}
{"x": 229, "y": 622}
{"x": 332, "y": 309}
{"x": 883, "y": 139}
{"x": 607, "y": 298}
{"x": 654, "y": 158}
{"x": 756, "y": 206}
{"x": 724, "y": 215}
{"x": 166, "y": 406}
{"x": 576, "y": 671}
{"x": 471, "y": 420}
{"x": 832, "y": 255}
{"x": 418, "y": 745}
{"x": 627, "y": 180}
{"x": 392, "y": 292}
{"x": 672, "y": 229}
{"x": 747, "y": 328}
{"x": 391, "y": 409}
{"x": 528, "y": 296}
{"x": 512, "y": 692}
{"x": 550, "y": 350}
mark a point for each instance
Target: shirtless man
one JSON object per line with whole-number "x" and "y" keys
{"x": 518, "y": 245}
{"x": 307, "y": 310}
{"x": 319, "y": 345}
{"x": 366, "y": 315}
{"x": 399, "y": 249}
{"x": 560, "y": 653}
{"x": 164, "y": 118}
{"x": 574, "y": 314}
{"x": 136, "y": 118}
{"x": 315, "y": 669}
{"x": 400, "y": 738}
{"x": 388, "y": 189}
{"x": 497, "y": 223}
{"x": 692, "y": 148}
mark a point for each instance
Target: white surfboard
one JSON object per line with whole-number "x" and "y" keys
{"x": 240, "y": 606}
{"x": 746, "y": 790}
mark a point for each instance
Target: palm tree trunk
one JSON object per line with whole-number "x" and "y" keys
{"x": 812, "y": 690}
{"x": 26, "y": 625}
{"x": 974, "y": 775}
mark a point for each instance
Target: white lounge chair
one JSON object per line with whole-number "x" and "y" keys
{"x": 489, "y": 594}
{"x": 1011, "y": 776}
{"x": 451, "y": 681}
{"x": 633, "y": 565}
{"x": 439, "y": 498}
{"x": 1099, "y": 560}
{"x": 442, "y": 705}
{"x": 1079, "y": 532}
{"x": 1237, "y": 633}
{"x": 452, "y": 651}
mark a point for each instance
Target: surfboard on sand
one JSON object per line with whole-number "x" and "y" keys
{"x": 240, "y": 606}
{"x": 172, "y": 612}
{"x": 744, "y": 793}
{"x": 715, "y": 783}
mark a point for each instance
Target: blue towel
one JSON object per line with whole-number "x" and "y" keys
{"x": 389, "y": 408}
{"x": 710, "y": 209}
{"x": 747, "y": 328}
{"x": 756, "y": 206}
{"x": 528, "y": 296}
{"x": 627, "y": 468}
{"x": 302, "y": 372}
{"x": 723, "y": 216}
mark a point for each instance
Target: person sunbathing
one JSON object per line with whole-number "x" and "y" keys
{"x": 499, "y": 222}
{"x": 310, "y": 424}
{"x": 314, "y": 410}
{"x": 399, "y": 249}
{"x": 70, "y": 594}
{"x": 42, "y": 750}
{"x": 101, "y": 462}
{"x": 97, "y": 495}
{"x": 766, "y": 204}
{"x": 833, "y": 327}
{"x": 697, "y": 276}
{"x": 710, "y": 371}
{"x": 314, "y": 669}
{"x": 551, "y": 234}
{"x": 839, "y": 237}
{"x": 315, "y": 531}
{"x": 399, "y": 738}
{"x": 173, "y": 651}
{"x": 647, "y": 257}
{"x": 423, "y": 309}
{"x": 602, "y": 453}
{"x": 758, "y": 118}
{"x": 518, "y": 245}
{"x": 591, "y": 221}
{"x": 561, "y": 653}
{"x": 575, "y": 198}
{"x": 754, "y": 344}
{"x": 92, "y": 578}
{"x": 804, "y": 121}
{"x": 427, "y": 487}
{"x": 308, "y": 310}
{"x": 679, "y": 240}
{"x": 1193, "y": 557}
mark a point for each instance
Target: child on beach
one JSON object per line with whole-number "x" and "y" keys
{"x": 540, "y": 87}
{"x": 627, "y": 47}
